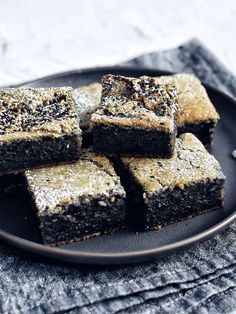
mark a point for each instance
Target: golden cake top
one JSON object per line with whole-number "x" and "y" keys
{"x": 91, "y": 176}
{"x": 140, "y": 102}
{"x": 34, "y": 112}
{"x": 194, "y": 103}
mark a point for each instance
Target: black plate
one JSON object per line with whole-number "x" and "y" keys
{"x": 18, "y": 224}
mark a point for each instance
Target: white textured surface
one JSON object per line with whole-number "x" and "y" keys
{"x": 42, "y": 37}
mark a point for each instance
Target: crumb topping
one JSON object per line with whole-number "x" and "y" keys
{"x": 36, "y": 110}
{"x": 137, "y": 102}
{"x": 91, "y": 176}
{"x": 190, "y": 164}
{"x": 87, "y": 99}
{"x": 194, "y": 104}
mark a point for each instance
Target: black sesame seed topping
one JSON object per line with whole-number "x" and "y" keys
{"x": 145, "y": 93}
{"x": 22, "y": 109}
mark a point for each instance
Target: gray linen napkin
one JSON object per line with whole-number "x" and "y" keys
{"x": 199, "y": 280}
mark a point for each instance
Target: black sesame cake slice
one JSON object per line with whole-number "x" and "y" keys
{"x": 164, "y": 191}
{"x": 197, "y": 114}
{"x": 37, "y": 127}
{"x": 87, "y": 99}
{"x": 77, "y": 201}
{"x": 136, "y": 117}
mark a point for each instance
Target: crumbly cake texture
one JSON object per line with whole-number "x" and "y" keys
{"x": 163, "y": 191}
{"x": 87, "y": 99}
{"x": 136, "y": 117}
{"x": 37, "y": 127}
{"x": 197, "y": 114}
{"x": 76, "y": 201}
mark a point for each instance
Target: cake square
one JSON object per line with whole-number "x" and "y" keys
{"x": 87, "y": 99}
{"x": 38, "y": 126}
{"x": 136, "y": 117}
{"x": 77, "y": 201}
{"x": 164, "y": 191}
{"x": 197, "y": 114}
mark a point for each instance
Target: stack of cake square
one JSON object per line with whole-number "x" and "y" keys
{"x": 73, "y": 191}
{"x": 132, "y": 170}
{"x": 166, "y": 179}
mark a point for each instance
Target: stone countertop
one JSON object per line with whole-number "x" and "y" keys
{"x": 42, "y": 37}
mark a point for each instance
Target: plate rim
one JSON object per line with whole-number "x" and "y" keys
{"x": 106, "y": 258}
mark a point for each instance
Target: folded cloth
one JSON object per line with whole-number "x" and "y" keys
{"x": 201, "y": 279}
{"x": 192, "y": 57}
